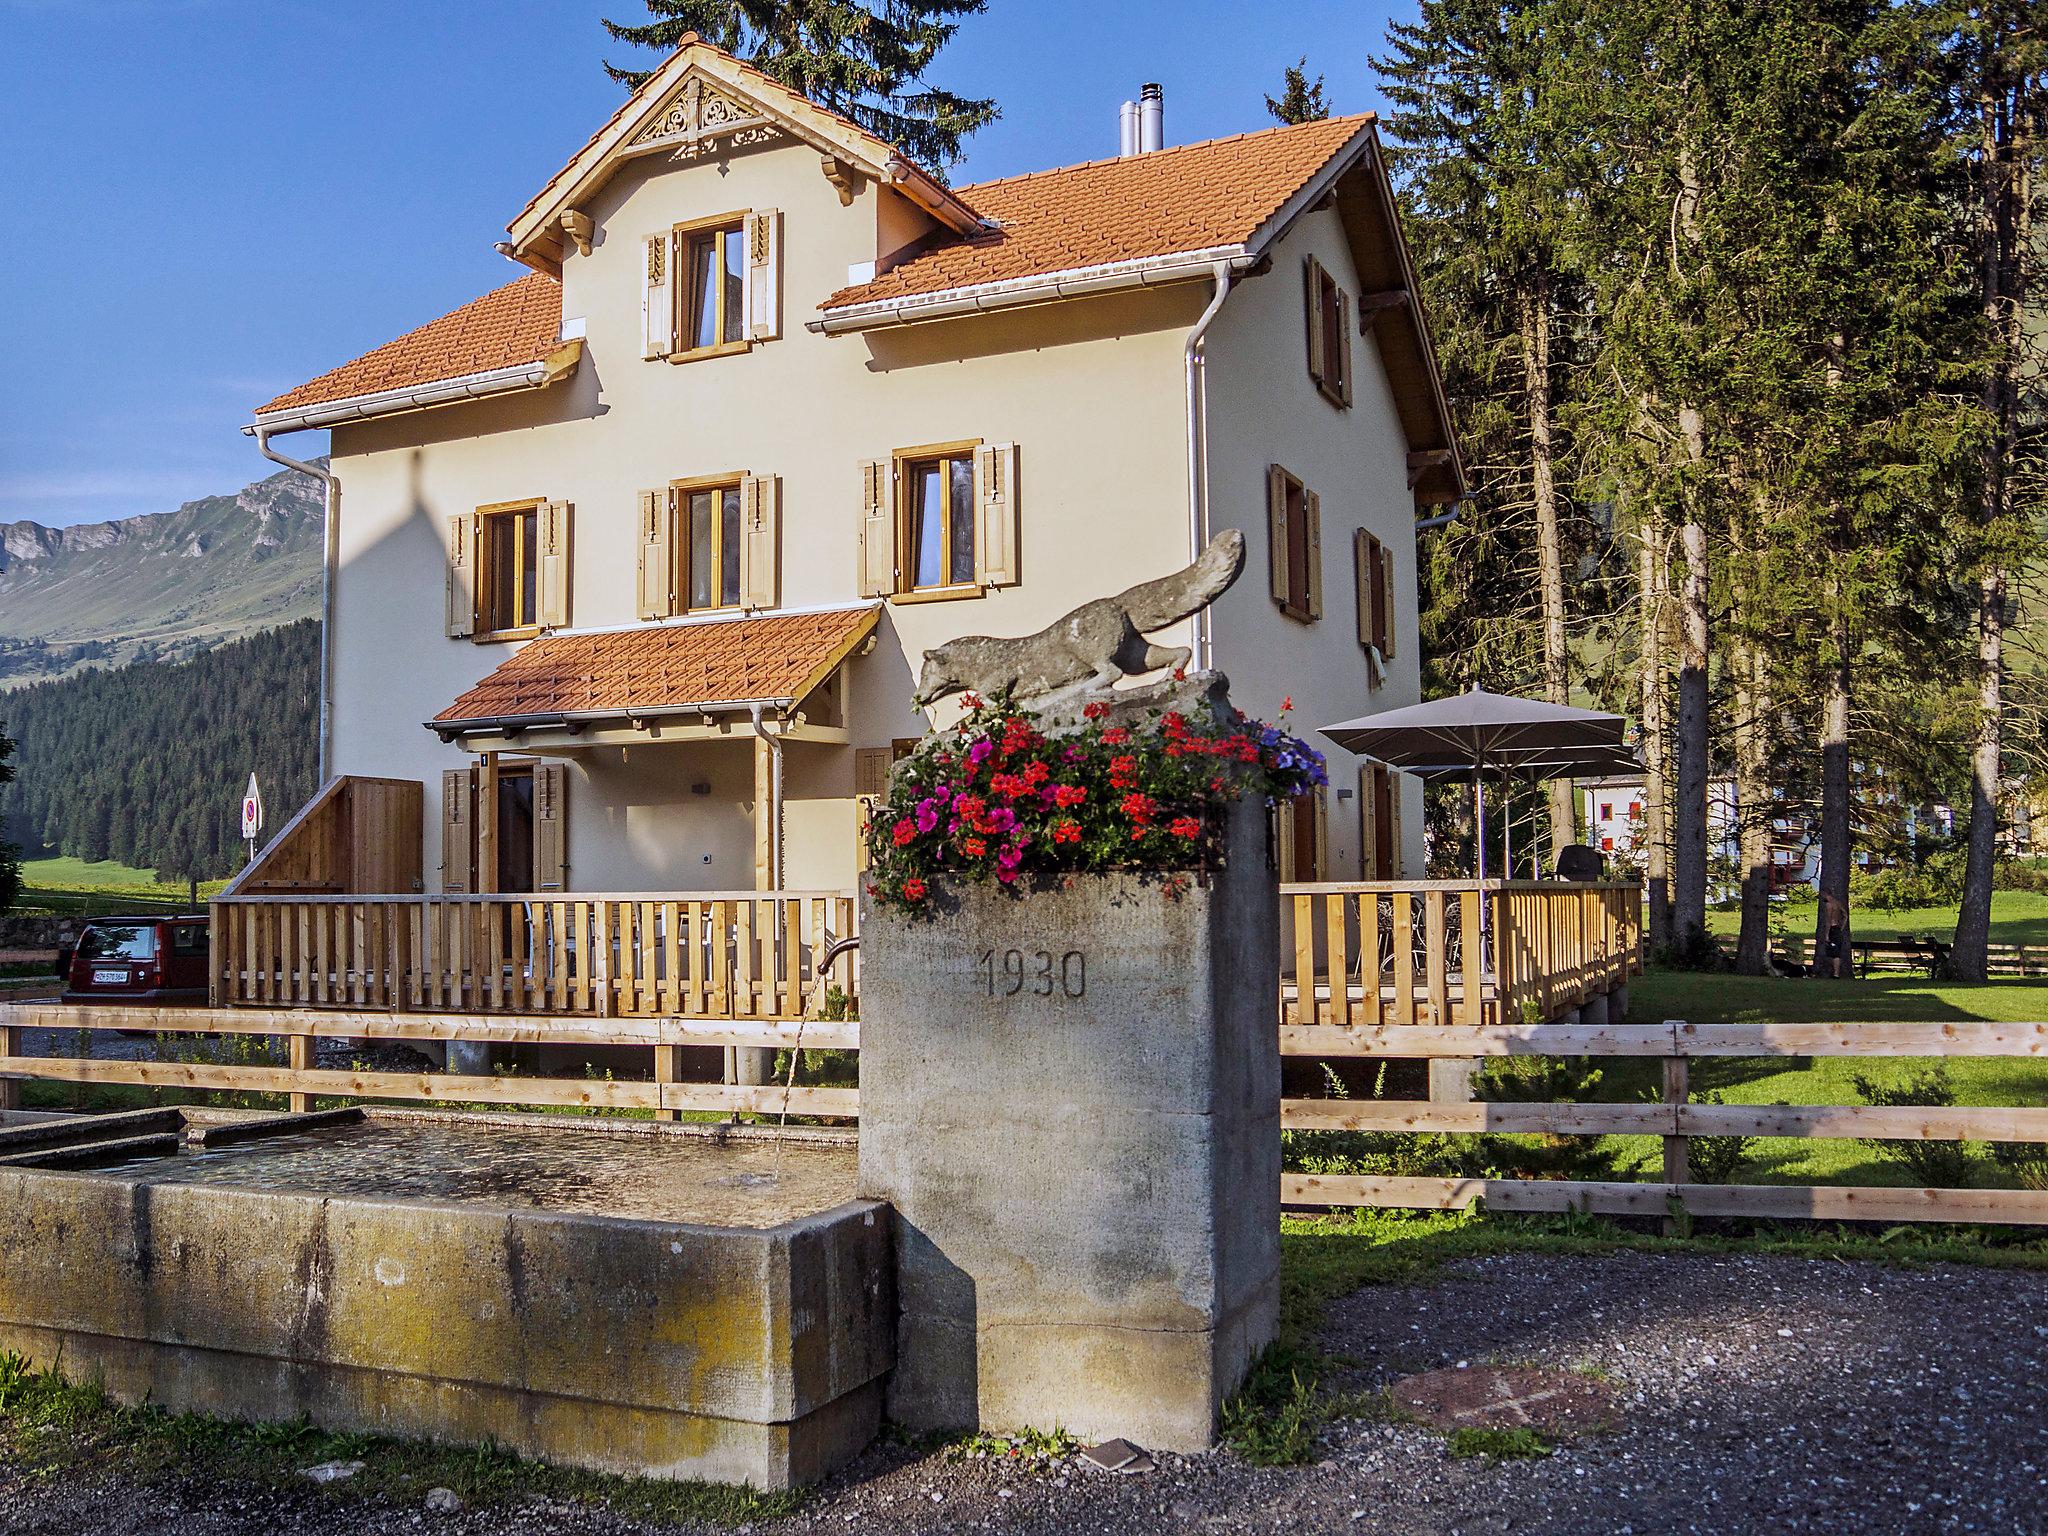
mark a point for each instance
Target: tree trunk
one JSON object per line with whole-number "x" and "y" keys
{"x": 1533, "y": 309}
{"x": 1753, "y": 805}
{"x": 1656, "y": 829}
{"x": 2004, "y": 247}
{"x": 1831, "y": 956}
{"x": 1689, "y": 810}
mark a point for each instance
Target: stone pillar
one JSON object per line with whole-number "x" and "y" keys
{"x": 1593, "y": 1011}
{"x": 1072, "y": 1099}
{"x": 1617, "y": 1004}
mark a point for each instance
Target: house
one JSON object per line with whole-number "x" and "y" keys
{"x": 634, "y": 559}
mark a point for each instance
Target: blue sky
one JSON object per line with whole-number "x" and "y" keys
{"x": 212, "y": 200}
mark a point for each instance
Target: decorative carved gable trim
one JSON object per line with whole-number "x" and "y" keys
{"x": 698, "y": 111}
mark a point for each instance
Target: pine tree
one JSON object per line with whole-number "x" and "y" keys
{"x": 866, "y": 62}
{"x": 10, "y": 863}
{"x": 1299, "y": 101}
{"x": 1999, "y": 58}
{"x": 1474, "y": 146}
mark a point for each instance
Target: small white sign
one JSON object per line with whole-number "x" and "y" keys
{"x": 252, "y": 810}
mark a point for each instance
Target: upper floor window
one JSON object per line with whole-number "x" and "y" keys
{"x": 508, "y": 554}
{"x": 939, "y": 521}
{"x": 1294, "y": 548}
{"x": 1329, "y": 334}
{"x": 712, "y": 287}
{"x": 508, "y": 570}
{"x": 710, "y": 546}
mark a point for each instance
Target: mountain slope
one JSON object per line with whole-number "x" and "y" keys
{"x": 166, "y": 585}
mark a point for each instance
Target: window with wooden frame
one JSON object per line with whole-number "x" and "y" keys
{"x": 712, "y": 287}
{"x": 1329, "y": 334}
{"x": 1294, "y": 524}
{"x": 1372, "y": 567}
{"x": 939, "y": 521}
{"x": 1379, "y": 822}
{"x": 508, "y": 570}
{"x": 709, "y": 544}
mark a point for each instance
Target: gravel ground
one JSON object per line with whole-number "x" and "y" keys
{"x": 1755, "y": 1394}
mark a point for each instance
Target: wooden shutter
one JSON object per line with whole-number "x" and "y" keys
{"x": 554, "y": 563}
{"x": 657, "y": 299}
{"x": 458, "y": 822}
{"x": 1283, "y": 840}
{"x": 1368, "y": 822}
{"x": 1320, "y": 809}
{"x": 1362, "y": 578}
{"x": 1312, "y": 510}
{"x": 763, "y": 281}
{"x": 1343, "y": 358}
{"x": 1318, "y": 364}
{"x": 461, "y": 576}
{"x": 877, "y": 530}
{"x": 1391, "y": 858}
{"x": 1383, "y": 597}
{"x": 995, "y": 500}
{"x": 760, "y": 541}
{"x": 657, "y": 573}
{"x": 1276, "y": 534}
{"x": 550, "y": 827}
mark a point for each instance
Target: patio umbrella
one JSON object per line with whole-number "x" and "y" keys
{"x": 1477, "y": 732}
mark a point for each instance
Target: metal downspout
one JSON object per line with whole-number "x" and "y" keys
{"x": 329, "y": 555}
{"x": 1198, "y": 442}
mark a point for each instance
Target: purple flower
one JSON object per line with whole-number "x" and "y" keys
{"x": 927, "y": 815}
{"x": 978, "y": 753}
{"x": 1010, "y": 857}
{"x": 1001, "y": 819}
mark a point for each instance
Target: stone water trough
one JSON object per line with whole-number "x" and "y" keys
{"x": 670, "y": 1301}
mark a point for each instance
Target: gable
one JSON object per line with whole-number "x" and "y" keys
{"x": 703, "y": 102}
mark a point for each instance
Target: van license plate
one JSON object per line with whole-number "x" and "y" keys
{"x": 109, "y": 978}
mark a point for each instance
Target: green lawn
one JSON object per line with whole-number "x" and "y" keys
{"x": 2017, "y": 917}
{"x": 64, "y": 884}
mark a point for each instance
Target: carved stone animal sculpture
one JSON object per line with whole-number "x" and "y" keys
{"x": 1092, "y": 647}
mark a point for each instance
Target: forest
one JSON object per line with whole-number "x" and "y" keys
{"x": 1736, "y": 308}
{"x": 146, "y": 763}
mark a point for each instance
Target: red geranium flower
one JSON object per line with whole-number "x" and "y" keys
{"x": 1067, "y": 796}
{"x": 1185, "y": 826}
{"x": 906, "y": 830}
{"x": 1096, "y": 710}
{"x": 913, "y": 889}
{"x": 1115, "y": 736}
{"x": 973, "y": 847}
{"x": 1066, "y": 831}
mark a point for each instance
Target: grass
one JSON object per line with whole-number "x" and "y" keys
{"x": 2017, "y": 917}
{"x": 51, "y": 1427}
{"x": 67, "y": 886}
{"x": 1499, "y": 1444}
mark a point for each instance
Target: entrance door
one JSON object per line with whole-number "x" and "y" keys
{"x": 515, "y": 829}
{"x": 504, "y": 828}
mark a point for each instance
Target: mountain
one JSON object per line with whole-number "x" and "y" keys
{"x": 164, "y": 586}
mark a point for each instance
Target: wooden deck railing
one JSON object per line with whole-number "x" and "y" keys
{"x": 1549, "y": 946}
{"x": 722, "y": 955}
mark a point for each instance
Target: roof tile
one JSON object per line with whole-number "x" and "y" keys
{"x": 669, "y": 666}
{"x": 1189, "y": 198}
{"x": 518, "y": 323}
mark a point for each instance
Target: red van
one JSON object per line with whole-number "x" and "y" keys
{"x": 139, "y": 960}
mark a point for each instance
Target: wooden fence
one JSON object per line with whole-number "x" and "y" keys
{"x": 662, "y": 1092}
{"x": 713, "y": 955}
{"x": 1917, "y": 956}
{"x": 1408, "y": 954}
{"x": 1675, "y": 1120}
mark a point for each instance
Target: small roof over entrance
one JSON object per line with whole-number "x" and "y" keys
{"x": 655, "y": 676}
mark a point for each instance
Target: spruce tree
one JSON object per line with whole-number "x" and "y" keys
{"x": 1299, "y": 101}
{"x": 866, "y": 62}
{"x": 10, "y": 862}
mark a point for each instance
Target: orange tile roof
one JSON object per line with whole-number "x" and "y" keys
{"x": 1189, "y": 198}
{"x": 518, "y": 323}
{"x": 665, "y": 667}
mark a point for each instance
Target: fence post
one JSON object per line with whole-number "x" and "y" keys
{"x": 668, "y": 1068}
{"x": 301, "y": 1058}
{"x": 1677, "y": 1093}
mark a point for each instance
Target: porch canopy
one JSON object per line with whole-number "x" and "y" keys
{"x": 698, "y": 680}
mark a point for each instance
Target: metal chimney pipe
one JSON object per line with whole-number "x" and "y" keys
{"x": 1151, "y": 118}
{"x": 1129, "y": 124}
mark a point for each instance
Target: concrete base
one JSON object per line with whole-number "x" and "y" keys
{"x": 1450, "y": 1079}
{"x": 1082, "y": 1145}
{"x": 1617, "y": 1005}
{"x": 1593, "y": 1011}
{"x": 634, "y": 1346}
